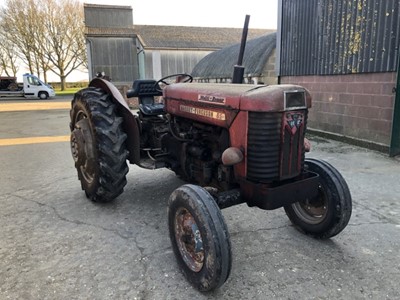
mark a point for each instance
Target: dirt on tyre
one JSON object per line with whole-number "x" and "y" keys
{"x": 327, "y": 214}
{"x": 199, "y": 237}
{"x": 98, "y": 145}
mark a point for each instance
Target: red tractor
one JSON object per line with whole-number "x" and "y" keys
{"x": 232, "y": 143}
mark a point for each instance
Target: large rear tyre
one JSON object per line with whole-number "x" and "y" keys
{"x": 329, "y": 213}
{"x": 98, "y": 145}
{"x": 199, "y": 237}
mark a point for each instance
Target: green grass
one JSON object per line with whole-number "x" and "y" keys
{"x": 69, "y": 91}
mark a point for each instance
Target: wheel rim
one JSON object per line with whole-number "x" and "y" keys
{"x": 189, "y": 240}
{"x": 81, "y": 142}
{"x": 312, "y": 211}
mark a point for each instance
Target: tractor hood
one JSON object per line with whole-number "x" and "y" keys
{"x": 245, "y": 97}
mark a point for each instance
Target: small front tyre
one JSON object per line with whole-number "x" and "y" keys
{"x": 327, "y": 214}
{"x": 199, "y": 237}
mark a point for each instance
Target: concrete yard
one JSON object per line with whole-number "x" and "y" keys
{"x": 55, "y": 244}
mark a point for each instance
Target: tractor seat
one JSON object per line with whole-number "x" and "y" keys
{"x": 145, "y": 90}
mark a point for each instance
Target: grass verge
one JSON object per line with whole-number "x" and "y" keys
{"x": 69, "y": 91}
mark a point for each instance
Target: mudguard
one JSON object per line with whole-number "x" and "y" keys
{"x": 130, "y": 124}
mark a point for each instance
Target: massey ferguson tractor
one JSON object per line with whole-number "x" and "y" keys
{"x": 233, "y": 143}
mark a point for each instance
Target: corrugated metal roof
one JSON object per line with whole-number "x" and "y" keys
{"x": 339, "y": 36}
{"x": 112, "y": 32}
{"x": 186, "y": 37}
{"x": 219, "y": 64}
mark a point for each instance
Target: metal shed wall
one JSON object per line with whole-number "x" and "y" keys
{"x": 104, "y": 16}
{"x": 327, "y": 37}
{"x": 160, "y": 63}
{"x": 116, "y": 56}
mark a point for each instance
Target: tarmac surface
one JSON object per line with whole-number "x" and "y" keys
{"x": 55, "y": 244}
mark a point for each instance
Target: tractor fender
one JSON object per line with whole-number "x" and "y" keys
{"x": 130, "y": 123}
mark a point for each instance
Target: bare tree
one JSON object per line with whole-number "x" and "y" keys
{"x": 48, "y": 34}
{"x": 8, "y": 58}
{"x": 64, "y": 44}
{"x": 17, "y": 23}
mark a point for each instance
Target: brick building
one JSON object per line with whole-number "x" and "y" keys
{"x": 346, "y": 54}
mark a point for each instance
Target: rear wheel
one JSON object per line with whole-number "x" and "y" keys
{"x": 199, "y": 237}
{"x": 98, "y": 145}
{"x": 327, "y": 214}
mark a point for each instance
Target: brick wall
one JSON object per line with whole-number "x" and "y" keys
{"x": 357, "y": 105}
{"x": 269, "y": 74}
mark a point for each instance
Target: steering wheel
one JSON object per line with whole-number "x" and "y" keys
{"x": 174, "y": 78}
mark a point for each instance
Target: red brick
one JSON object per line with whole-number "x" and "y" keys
{"x": 341, "y": 87}
{"x": 384, "y": 77}
{"x": 387, "y": 114}
{"x": 285, "y": 79}
{"x": 348, "y": 78}
{"x": 362, "y": 100}
{"x": 325, "y": 107}
{"x": 368, "y": 112}
{"x": 345, "y": 98}
{"x": 376, "y": 77}
{"x": 337, "y": 108}
{"x": 383, "y": 101}
{"x": 316, "y": 87}
{"x": 332, "y": 128}
{"x": 351, "y": 110}
{"x": 355, "y": 88}
{"x": 316, "y": 105}
{"x": 364, "y": 88}
{"x": 315, "y": 96}
{"x": 332, "y": 78}
{"x": 335, "y": 119}
{"x": 387, "y": 88}
{"x": 323, "y": 97}
{"x": 350, "y": 121}
{"x": 312, "y": 118}
{"x": 322, "y": 118}
{"x": 380, "y": 126}
{"x": 366, "y": 77}
{"x": 309, "y": 79}
{"x": 334, "y": 87}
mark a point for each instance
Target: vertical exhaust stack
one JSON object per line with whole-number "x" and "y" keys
{"x": 238, "y": 70}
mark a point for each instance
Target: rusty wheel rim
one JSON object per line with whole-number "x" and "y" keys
{"x": 189, "y": 240}
{"x": 86, "y": 164}
{"x": 312, "y": 211}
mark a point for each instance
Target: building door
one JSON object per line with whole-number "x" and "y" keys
{"x": 395, "y": 142}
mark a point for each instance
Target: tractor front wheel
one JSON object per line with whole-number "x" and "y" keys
{"x": 199, "y": 237}
{"x": 327, "y": 214}
{"x": 98, "y": 145}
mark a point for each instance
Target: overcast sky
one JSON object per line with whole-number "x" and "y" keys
{"x": 205, "y": 13}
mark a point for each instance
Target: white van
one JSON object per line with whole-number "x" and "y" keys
{"x": 31, "y": 87}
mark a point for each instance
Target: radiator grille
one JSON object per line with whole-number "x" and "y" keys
{"x": 274, "y": 152}
{"x": 263, "y": 146}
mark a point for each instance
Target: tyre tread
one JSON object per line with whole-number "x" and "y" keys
{"x": 110, "y": 143}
